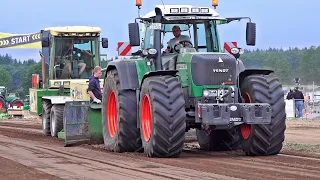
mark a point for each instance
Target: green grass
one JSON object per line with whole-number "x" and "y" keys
{"x": 301, "y": 147}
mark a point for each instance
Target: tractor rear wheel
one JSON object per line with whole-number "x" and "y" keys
{"x": 46, "y": 109}
{"x": 261, "y": 139}
{"x": 162, "y": 116}
{"x": 218, "y": 140}
{"x": 3, "y": 108}
{"x": 119, "y": 116}
{"x": 56, "y": 119}
{"x": 17, "y": 103}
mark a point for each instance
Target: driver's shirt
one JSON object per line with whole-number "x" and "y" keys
{"x": 173, "y": 41}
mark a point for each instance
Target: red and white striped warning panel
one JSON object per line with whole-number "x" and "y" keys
{"x": 124, "y": 49}
{"x": 229, "y": 45}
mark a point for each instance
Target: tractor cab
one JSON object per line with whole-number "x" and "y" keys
{"x": 198, "y": 27}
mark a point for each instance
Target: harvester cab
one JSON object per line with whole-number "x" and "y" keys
{"x": 150, "y": 101}
{"x": 69, "y": 55}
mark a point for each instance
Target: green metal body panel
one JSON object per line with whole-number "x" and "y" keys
{"x": 36, "y": 98}
{"x": 142, "y": 68}
{"x": 95, "y": 123}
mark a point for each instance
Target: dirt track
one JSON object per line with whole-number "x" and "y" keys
{"x": 24, "y": 143}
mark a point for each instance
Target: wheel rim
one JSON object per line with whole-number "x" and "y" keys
{"x": 112, "y": 114}
{"x": 246, "y": 128}
{"x": 146, "y": 118}
{"x": 18, "y": 104}
{"x": 43, "y": 121}
{"x": 53, "y": 124}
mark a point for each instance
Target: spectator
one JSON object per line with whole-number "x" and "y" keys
{"x": 290, "y": 94}
{"x": 299, "y": 101}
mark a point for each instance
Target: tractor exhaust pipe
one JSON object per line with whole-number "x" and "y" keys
{"x": 157, "y": 40}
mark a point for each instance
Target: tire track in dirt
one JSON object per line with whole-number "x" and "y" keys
{"x": 224, "y": 163}
{"x": 101, "y": 164}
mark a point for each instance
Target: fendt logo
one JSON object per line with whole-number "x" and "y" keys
{"x": 220, "y": 70}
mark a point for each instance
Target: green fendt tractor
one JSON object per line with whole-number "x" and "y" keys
{"x": 65, "y": 52}
{"x": 8, "y": 100}
{"x": 151, "y": 101}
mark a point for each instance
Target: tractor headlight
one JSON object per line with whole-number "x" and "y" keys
{"x": 210, "y": 93}
{"x": 204, "y": 10}
{"x": 206, "y": 93}
{"x": 184, "y": 10}
{"x": 235, "y": 50}
{"x": 145, "y": 52}
{"x": 152, "y": 51}
{"x": 174, "y": 10}
{"x": 195, "y": 10}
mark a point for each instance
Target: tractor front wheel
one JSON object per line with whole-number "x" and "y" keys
{"x": 17, "y": 103}
{"x": 162, "y": 116}
{"x": 46, "y": 110}
{"x": 261, "y": 139}
{"x": 3, "y": 108}
{"x": 119, "y": 116}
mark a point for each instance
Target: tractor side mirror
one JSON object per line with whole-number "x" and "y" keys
{"x": 45, "y": 40}
{"x": 134, "y": 35}
{"x": 251, "y": 34}
{"x": 105, "y": 42}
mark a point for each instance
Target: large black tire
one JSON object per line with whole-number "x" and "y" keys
{"x": 162, "y": 106}
{"x": 56, "y": 119}
{"x": 264, "y": 139}
{"x": 3, "y": 108}
{"x": 218, "y": 140}
{"x": 120, "y": 133}
{"x": 46, "y": 109}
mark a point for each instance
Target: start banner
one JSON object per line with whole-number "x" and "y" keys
{"x": 20, "y": 40}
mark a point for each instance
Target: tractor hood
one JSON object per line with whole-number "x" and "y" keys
{"x": 211, "y": 68}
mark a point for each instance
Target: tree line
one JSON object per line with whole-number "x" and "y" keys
{"x": 287, "y": 64}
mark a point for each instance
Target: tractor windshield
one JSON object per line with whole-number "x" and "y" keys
{"x": 203, "y": 34}
{"x": 74, "y": 57}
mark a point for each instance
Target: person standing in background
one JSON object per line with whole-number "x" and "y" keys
{"x": 290, "y": 94}
{"x": 299, "y": 101}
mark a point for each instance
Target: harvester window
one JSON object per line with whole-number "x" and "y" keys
{"x": 74, "y": 58}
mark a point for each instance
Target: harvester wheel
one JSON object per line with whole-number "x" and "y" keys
{"x": 259, "y": 139}
{"x": 119, "y": 116}
{"x": 17, "y": 103}
{"x": 56, "y": 119}
{"x": 46, "y": 109}
{"x": 3, "y": 108}
{"x": 162, "y": 116}
{"x": 218, "y": 140}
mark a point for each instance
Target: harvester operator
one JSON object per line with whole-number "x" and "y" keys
{"x": 68, "y": 51}
{"x": 94, "y": 89}
{"x": 176, "y": 31}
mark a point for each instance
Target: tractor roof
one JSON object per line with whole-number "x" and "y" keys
{"x": 173, "y": 12}
{"x": 73, "y": 29}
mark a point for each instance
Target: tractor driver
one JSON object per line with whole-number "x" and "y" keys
{"x": 176, "y": 31}
{"x": 68, "y": 50}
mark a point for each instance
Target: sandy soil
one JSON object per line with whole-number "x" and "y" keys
{"x": 24, "y": 143}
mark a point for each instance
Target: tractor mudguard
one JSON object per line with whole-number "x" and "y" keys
{"x": 157, "y": 73}
{"x": 127, "y": 72}
{"x": 249, "y": 72}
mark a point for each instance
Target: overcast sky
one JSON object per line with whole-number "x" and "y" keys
{"x": 280, "y": 23}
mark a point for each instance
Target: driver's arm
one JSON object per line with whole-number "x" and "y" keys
{"x": 169, "y": 47}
